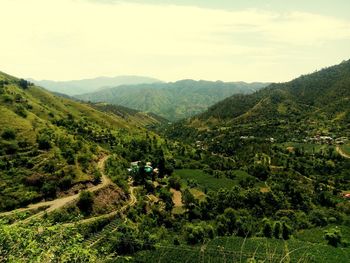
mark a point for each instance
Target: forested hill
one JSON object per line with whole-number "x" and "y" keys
{"x": 74, "y": 87}
{"x": 172, "y": 101}
{"x": 134, "y": 116}
{"x": 323, "y": 94}
{"x": 50, "y": 145}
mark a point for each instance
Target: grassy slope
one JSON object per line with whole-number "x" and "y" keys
{"x": 209, "y": 182}
{"x": 40, "y": 111}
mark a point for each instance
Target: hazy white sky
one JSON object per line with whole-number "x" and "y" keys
{"x": 74, "y": 39}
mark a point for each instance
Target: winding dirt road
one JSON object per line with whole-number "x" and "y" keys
{"x": 60, "y": 202}
{"x": 340, "y": 151}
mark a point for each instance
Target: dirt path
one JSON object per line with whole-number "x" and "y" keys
{"x": 340, "y": 151}
{"x": 60, "y": 202}
{"x": 177, "y": 197}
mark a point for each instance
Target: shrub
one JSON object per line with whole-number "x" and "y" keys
{"x": 20, "y": 111}
{"x": 11, "y": 148}
{"x": 277, "y": 229}
{"x": 267, "y": 228}
{"x": 44, "y": 142}
{"x": 333, "y": 237}
{"x": 8, "y": 134}
{"x": 85, "y": 202}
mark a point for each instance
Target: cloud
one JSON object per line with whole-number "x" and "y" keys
{"x": 73, "y": 39}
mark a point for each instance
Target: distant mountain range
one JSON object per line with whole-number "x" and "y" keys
{"x": 174, "y": 100}
{"x": 75, "y": 87}
{"x": 323, "y": 94}
{"x": 311, "y": 105}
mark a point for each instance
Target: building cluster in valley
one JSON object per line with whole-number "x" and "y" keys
{"x": 135, "y": 166}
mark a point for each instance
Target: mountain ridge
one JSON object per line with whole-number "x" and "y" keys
{"x": 172, "y": 100}
{"x": 74, "y": 87}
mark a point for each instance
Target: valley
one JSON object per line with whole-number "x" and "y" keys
{"x": 262, "y": 176}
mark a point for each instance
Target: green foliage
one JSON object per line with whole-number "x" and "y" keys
{"x": 85, "y": 202}
{"x": 44, "y": 142}
{"x": 195, "y": 234}
{"x": 8, "y": 134}
{"x": 267, "y": 228}
{"x": 24, "y": 84}
{"x": 333, "y": 237}
{"x": 173, "y": 101}
{"x": 42, "y": 244}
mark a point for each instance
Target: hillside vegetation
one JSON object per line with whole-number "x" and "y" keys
{"x": 172, "y": 101}
{"x": 49, "y": 145}
{"x": 323, "y": 95}
{"x": 263, "y": 178}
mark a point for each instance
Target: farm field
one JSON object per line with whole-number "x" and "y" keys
{"x": 238, "y": 249}
{"x": 209, "y": 182}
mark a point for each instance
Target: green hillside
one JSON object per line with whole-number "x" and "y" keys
{"x": 172, "y": 101}
{"x": 130, "y": 115}
{"x": 263, "y": 178}
{"x": 49, "y": 145}
{"x": 321, "y": 95}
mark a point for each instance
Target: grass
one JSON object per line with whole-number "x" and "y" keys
{"x": 238, "y": 249}
{"x": 206, "y": 181}
{"x": 316, "y": 235}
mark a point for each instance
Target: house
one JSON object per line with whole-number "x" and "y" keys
{"x": 347, "y": 196}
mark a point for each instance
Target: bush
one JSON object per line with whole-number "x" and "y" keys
{"x": 20, "y": 111}
{"x": 85, "y": 202}
{"x": 8, "y": 134}
{"x": 11, "y": 148}
{"x": 175, "y": 182}
{"x": 267, "y": 228}
{"x": 44, "y": 142}
{"x": 333, "y": 237}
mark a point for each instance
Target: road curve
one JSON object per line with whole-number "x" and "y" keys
{"x": 60, "y": 202}
{"x": 340, "y": 151}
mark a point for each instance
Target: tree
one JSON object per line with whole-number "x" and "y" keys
{"x": 187, "y": 198}
{"x": 85, "y": 202}
{"x": 286, "y": 231}
{"x": 24, "y": 84}
{"x": 175, "y": 182}
{"x": 166, "y": 196}
{"x": 267, "y": 228}
{"x": 277, "y": 229}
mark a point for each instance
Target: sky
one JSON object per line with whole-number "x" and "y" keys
{"x": 243, "y": 40}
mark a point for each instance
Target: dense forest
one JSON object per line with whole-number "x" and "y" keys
{"x": 174, "y": 100}
{"x": 262, "y": 177}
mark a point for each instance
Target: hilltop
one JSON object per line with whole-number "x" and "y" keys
{"x": 174, "y": 100}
